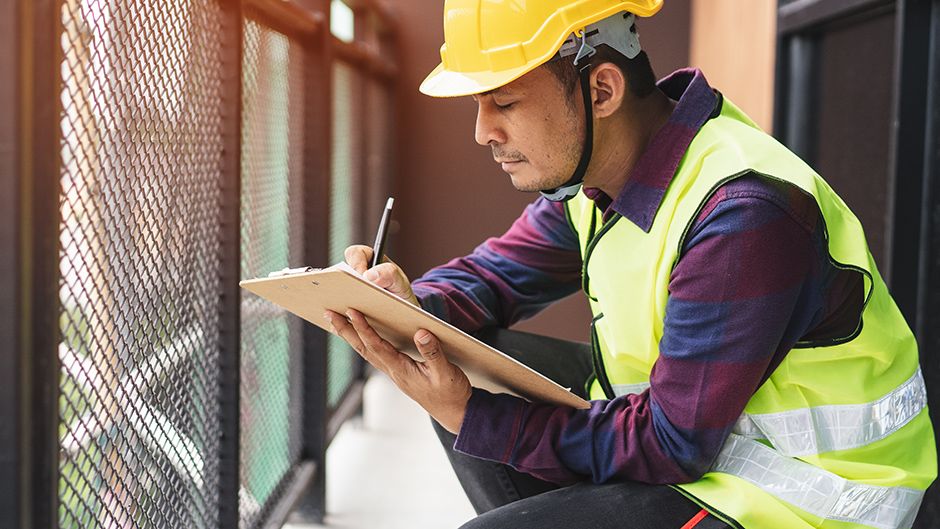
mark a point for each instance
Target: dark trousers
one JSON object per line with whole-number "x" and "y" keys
{"x": 507, "y": 499}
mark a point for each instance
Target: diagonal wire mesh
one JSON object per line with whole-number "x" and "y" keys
{"x": 142, "y": 150}
{"x": 341, "y": 360}
{"x": 272, "y": 164}
{"x": 140, "y": 243}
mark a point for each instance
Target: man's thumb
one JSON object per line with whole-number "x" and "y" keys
{"x": 384, "y": 275}
{"x": 429, "y": 347}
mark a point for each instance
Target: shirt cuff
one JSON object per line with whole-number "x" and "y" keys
{"x": 490, "y": 425}
{"x": 430, "y": 301}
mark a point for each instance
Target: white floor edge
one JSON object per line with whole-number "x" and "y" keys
{"x": 389, "y": 470}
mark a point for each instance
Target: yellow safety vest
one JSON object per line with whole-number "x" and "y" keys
{"x": 839, "y": 436}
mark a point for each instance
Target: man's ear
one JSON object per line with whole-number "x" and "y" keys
{"x": 608, "y": 89}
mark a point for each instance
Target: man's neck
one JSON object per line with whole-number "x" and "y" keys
{"x": 620, "y": 142}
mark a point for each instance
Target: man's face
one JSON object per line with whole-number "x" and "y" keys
{"x": 533, "y": 130}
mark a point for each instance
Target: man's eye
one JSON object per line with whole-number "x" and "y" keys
{"x": 504, "y": 106}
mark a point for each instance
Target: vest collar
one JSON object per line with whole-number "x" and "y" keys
{"x": 643, "y": 193}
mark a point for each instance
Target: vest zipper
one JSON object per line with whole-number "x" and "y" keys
{"x": 600, "y": 373}
{"x": 593, "y": 240}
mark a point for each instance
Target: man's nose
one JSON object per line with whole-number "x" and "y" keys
{"x": 488, "y": 129}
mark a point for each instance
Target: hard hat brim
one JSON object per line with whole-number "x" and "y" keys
{"x": 446, "y": 83}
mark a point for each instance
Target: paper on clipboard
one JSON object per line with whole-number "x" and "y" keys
{"x": 309, "y": 294}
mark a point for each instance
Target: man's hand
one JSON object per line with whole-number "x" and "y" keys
{"x": 437, "y": 385}
{"x": 386, "y": 275}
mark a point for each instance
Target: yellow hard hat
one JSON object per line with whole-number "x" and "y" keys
{"x": 488, "y": 43}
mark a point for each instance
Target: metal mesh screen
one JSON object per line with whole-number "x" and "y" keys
{"x": 271, "y": 367}
{"x": 141, "y": 155}
{"x": 342, "y": 361}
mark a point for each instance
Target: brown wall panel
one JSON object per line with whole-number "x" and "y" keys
{"x": 450, "y": 195}
{"x": 734, "y": 43}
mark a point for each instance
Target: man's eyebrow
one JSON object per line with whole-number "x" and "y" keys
{"x": 476, "y": 97}
{"x": 495, "y": 91}
{"x": 499, "y": 91}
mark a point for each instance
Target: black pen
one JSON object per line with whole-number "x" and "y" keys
{"x": 379, "y": 247}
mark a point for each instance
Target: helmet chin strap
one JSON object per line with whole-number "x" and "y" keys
{"x": 618, "y": 32}
{"x": 570, "y": 189}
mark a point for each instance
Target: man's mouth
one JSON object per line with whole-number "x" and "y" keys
{"x": 509, "y": 164}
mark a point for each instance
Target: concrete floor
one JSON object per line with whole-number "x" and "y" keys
{"x": 388, "y": 470}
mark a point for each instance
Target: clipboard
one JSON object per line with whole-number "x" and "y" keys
{"x": 308, "y": 294}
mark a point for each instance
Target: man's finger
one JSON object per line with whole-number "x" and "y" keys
{"x": 359, "y": 257}
{"x": 378, "y": 347}
{"x": 346, "y": 331}
{"x": 430, "y": 348}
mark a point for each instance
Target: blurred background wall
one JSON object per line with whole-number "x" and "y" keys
{"x": 733, "y": 43}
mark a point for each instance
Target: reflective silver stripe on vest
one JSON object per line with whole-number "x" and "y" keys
{"x": 745, "y": 427}
{"x": 823, "y": 429}
{"x": 627, "y": 389}
{"x": 815, "y": 490}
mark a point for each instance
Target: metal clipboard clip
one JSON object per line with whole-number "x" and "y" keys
{"x": 291, "y": 271}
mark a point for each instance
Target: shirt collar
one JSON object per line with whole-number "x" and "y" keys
{"x": 643, "y": 193}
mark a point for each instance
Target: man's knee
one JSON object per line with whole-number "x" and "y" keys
{"x": 485, "y": 521}
{"x": 473, "y": 524}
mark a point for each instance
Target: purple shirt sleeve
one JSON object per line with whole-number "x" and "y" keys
{"x": 509, "y": 278}
{"x": 749, "y": 284}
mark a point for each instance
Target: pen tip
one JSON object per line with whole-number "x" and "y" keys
{"x": 388, "y": 205}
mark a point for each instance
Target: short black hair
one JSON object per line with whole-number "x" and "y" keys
{"x": 638, "y": 70}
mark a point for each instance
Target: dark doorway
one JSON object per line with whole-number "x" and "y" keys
{"x": 857, "y": 98}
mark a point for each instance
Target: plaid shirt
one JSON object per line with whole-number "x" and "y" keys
{"x": 752, "y": 279}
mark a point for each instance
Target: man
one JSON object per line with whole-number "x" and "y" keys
{"x": 748, "y": 367}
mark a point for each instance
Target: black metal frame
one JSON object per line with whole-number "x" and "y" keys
{"x": 913, "y": 209}
{"x": 908, "y": 175}
{"x": 913, "y": 58}
{"x": 795, "y": 16}
{"x": 13, "y": 382}
{"x": 928, "y": 270}
{"x": 29, "y": 255}
{"x": 797, "y": 66}
{"x": 230, "y": 303}
{"x": 312, "y": 502}
{"x": 44, "y": 265}
{"x": 28, "y": 287}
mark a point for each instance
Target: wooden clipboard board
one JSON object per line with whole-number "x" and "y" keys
{"x": 339, "y": 288}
